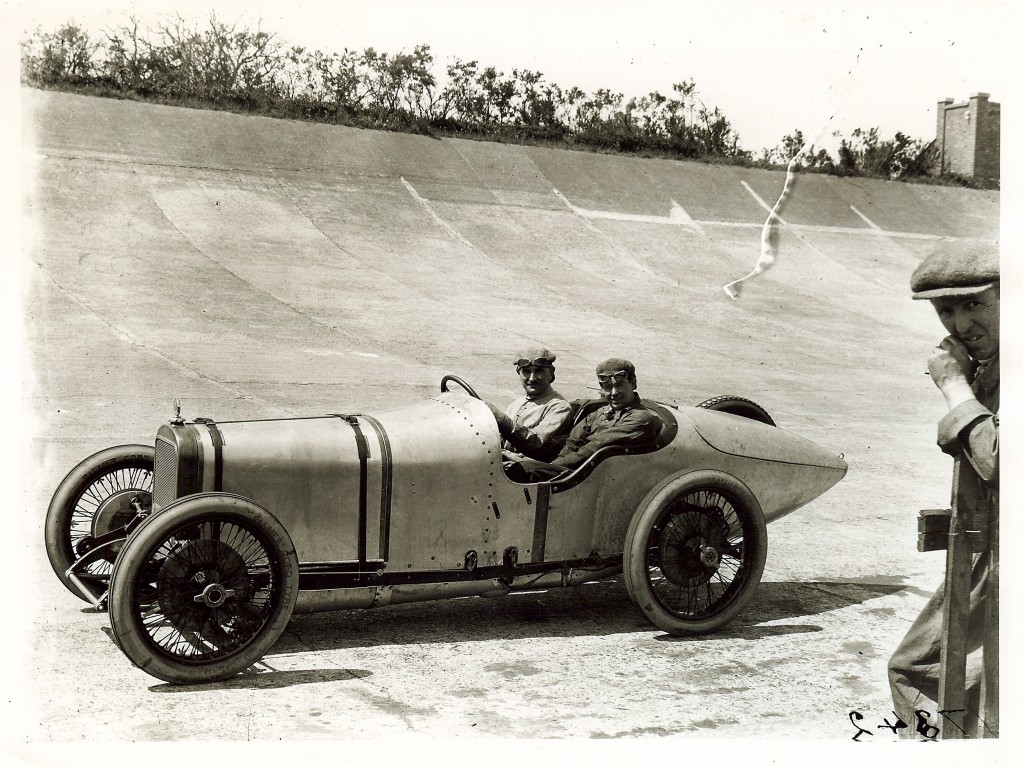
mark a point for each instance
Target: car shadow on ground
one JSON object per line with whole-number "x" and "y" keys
{"x": 263, "y": 676}
{"x": 594, "y": 609}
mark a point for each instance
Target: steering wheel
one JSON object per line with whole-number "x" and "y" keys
{"x": 460, "y": 382}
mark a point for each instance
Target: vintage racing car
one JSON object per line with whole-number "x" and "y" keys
{"x": 203, "y": 545}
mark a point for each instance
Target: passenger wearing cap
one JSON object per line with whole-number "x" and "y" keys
{"x": 623, "y": 421}
{"x": 535, "y": 425}
{"x": 961, "y": 279}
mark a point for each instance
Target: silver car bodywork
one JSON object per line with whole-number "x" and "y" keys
{"x": 413, "y": 503}
{"x": 203, "y": 545}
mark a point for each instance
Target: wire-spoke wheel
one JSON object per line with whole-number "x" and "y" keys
{"x": 203, "y": 589}
{"x": 695, "y": 553}
{"x": 97, "y": 496}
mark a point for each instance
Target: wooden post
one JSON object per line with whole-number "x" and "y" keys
{"x": 955, "y": 613}
{"x": 990, "y": 663}
{"x": 973, "y": 529}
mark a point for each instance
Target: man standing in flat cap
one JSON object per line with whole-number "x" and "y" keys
{"x": 961, "y": 279}
{"x": 624, "y": 421}
{"x": 535, "y": 425}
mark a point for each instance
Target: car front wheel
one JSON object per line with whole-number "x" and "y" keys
{"x": 96, "y": 497}
{"x": 695, "y": 553}
{"x": 203, "y": 589}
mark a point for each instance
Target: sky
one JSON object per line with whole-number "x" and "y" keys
{"x": 770, "y": 67}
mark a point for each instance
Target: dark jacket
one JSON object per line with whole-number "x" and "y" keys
{"x": 633, "y": 425}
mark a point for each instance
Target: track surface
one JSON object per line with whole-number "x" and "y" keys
{"x": 259, "y": 268}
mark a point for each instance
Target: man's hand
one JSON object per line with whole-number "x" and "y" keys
{"x": 949, "y": 359}
{"x": 948, "y": 366}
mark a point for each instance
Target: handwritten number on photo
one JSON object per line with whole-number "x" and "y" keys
{"x": 924, "y": 728}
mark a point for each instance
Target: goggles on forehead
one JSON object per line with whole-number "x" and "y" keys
{"x": 607, "y": 379}
{"x": 540, "y": 362}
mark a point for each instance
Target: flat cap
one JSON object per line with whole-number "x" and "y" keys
{"x": 616, "y": 364}
{"x": 957, "y": 268}
{"x": 535, "y": 355}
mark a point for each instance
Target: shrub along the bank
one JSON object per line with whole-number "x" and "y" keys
{"x": 231, "y": 67}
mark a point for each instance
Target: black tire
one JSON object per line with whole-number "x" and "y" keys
{"x": 95, "y": 498}
{"x": 203, "y": 589}
{"x": 695, "y": 552}
{"x": 727, "y": 403}
{"x": 460, "y": 382}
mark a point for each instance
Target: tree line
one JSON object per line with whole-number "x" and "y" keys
{"x": 224, "y": 65}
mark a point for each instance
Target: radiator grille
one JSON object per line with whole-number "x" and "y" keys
{"x": 165, "y": 473}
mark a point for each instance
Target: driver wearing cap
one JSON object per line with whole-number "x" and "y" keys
{"x": 535, "y": 425}
{"x": 624, "y": 421}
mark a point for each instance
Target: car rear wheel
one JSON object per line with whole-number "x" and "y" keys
{"x": 728, "y": 403}
{"x": 203, "y": 589}
{"x": 695, "y": 553}
{"x": 97, "y": 496}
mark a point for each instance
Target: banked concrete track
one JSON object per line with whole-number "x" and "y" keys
{"x": 256, "y": 268}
